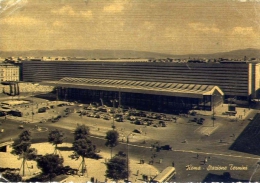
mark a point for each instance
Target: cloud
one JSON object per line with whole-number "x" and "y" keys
{"x": 58, "y": 23}
{"x": 69, "y": 11}
{"x": 65, "y": 10}
{"x": 115, "y": 7}
{"x": 244, "y": 31}
{"x": 20, "y": 21}
{"x": 204, "y": 28}
{"x": 148, "y": 25}
{"x": 87, "y": 14}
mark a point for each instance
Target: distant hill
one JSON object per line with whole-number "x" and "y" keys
{"x": 236, "y": 54}
{"x": 86, "y": 53}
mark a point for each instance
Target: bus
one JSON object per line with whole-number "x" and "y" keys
{"x": 165, "y": 175}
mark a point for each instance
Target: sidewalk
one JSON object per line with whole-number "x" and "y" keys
{"x": 241, "y": 114}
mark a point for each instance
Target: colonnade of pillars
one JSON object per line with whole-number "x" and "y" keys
{"x": 13, "y": 89}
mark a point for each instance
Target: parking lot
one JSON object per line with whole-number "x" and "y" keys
{"x": 179, "y": 135}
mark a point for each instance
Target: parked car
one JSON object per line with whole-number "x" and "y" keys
{"x": 166, "y": 147}
{"x": 119, "y": 119}
{"x": 200, "y": 122}
{"x": 2, "y": 113}
{"x": 42, "y": 110}
{"x": 57, "y": 118}
{"x": 106, "y": 117}
{"x": 61, "y": 105}
{"x": 136, "y": 131}
{"x": 15, "y": 113}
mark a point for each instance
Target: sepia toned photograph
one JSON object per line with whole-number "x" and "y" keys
{"x": 107, "y": 91}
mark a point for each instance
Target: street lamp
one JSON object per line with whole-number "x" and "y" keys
{"x": 113, "y": 101}
{"x": 32, "y": 110}
{"x": 127, "y": 157}
{"x": 213, "y": 112}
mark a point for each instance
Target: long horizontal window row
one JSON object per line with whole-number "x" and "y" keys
{"x": 187, "y": 69}
{"x": 122, "y": 65}
{"x": 239, "y": 76}
{"x": 227, "y": 82}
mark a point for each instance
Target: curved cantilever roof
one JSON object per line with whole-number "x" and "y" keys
{"x": 155, "y": 88}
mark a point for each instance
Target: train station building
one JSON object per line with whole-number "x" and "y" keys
{"x": 149, "y": 85}
{"x": 154, "y": 96}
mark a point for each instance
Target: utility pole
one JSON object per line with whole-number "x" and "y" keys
{"x": 213, "y": 115}
{"x": 127, "y": 157}
{"x": 113, "y": 101}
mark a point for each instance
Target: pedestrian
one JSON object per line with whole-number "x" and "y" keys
{"x": 137, "y": 173}
{"x": 197, "y": 156}
{"x": 160, "y": 161}
{"x": 205, "y": 161}
{"x": 173, "y": 164}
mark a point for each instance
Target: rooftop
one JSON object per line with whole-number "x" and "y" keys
{"x": 154, "y": 88}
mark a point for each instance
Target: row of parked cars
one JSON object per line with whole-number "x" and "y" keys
{"x": 198, "y": 120}
{"x": 121, "y": 114}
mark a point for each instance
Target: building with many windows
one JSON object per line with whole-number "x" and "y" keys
{"x": 149, "y": 83}
{"x": 9, "y": 72}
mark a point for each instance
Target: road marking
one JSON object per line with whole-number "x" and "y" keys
{"x": 187, "y": 151}
{"x": 217, "y": 154}
{"x": 197, "y": 129}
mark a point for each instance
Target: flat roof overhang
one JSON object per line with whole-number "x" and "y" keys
{"x": 154, "y": 88}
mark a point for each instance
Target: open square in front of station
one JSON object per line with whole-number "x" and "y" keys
{"x": 191, "y": 143}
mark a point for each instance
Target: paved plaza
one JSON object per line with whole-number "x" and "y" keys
{"x": 191, "y": 143}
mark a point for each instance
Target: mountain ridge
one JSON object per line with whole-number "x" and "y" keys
{"x": 98, "y": 53}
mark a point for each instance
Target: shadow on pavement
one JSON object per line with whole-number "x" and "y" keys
{"x": 226, "y": 177}
{"x": 64, "y": 148}
{"x": 248, "y": 140}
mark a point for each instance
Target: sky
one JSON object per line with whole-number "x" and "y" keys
{"x": 163, "y": 26}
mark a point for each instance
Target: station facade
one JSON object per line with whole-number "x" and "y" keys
{"x": 153, "y": 96}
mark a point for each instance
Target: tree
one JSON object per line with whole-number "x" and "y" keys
{"x": 112, "y": 139}
{"x": 85, "y": 149}
{"x": 21, "y": 147}
{"x": 50, "y": 164}
{"x": 81, "y": 132}
{"x": 12, "y": 177}
{"x": 82, "y": 146}
{"x": 117, "y": 168}
{"x": 55, "y": 137}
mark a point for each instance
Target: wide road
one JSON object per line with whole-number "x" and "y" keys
{"x": 204, "y": 140}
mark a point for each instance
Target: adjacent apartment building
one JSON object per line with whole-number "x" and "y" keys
{"x": 9, "y": 72}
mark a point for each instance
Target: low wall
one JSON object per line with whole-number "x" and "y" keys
{"x": 27, "y": 88}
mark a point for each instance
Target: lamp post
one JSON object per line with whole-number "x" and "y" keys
{"x": 32, "y": 106}
{"x": 113, "y": 101}
{"x": 32, "y": 110}
{"x": 213, "y": 112}
{"x": 127, "y": 156}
